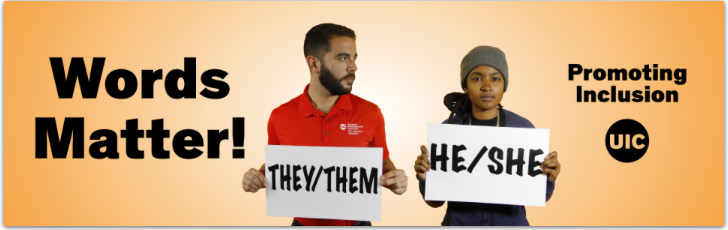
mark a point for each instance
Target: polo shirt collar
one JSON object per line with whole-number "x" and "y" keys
{"x": 306, "y": 109}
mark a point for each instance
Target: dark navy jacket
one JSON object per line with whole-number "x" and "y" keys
{"x": 480, "y": 214}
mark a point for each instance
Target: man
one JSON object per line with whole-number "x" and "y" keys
{"x": 322, "y": 114}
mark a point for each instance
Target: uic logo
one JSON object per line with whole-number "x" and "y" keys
{"x": 627, "y": 140}
{"x": 617, "y": 144}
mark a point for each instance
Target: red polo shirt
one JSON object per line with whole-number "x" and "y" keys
{"x": 352, "y": 122}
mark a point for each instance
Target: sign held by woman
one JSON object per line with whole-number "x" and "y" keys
{"x": 486, "y": 164}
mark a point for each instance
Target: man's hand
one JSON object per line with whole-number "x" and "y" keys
{"x": 394, "y": 180}
{"x": 253, "y": 180}
{"x": 422, "y": 164}
{"x": 551, "y": 166}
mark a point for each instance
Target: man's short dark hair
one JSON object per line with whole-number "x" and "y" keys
{"x": 318, "y": 38}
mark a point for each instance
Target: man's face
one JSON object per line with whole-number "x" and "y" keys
{"x": 484, "y": 86}
{"x": 338, "y": 67}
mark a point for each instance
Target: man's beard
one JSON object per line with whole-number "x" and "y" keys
{"x": 330, "y": 82}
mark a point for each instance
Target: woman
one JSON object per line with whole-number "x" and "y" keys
{"x": 484, "y": 79}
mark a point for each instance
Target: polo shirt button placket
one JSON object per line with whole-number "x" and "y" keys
{"x": 325, "y": 123}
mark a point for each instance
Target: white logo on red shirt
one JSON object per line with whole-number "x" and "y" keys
{"x": 354, "y": 129}
{"x": 343, "y": 126}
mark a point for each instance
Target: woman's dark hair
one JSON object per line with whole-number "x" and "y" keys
{"x": 459, "y": 104}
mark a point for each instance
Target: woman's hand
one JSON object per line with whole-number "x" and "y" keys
{"x": 422, "y": 164}
{"x": 551, "y": 166}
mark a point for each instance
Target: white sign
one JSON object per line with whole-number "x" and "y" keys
{"x": 324, "y": 182}
{"x": 486, "y": 164}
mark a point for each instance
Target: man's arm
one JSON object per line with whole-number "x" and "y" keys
{"x": 387, "y": 166}
{"x": 253, "y": 180}
{"x": 394, "y": 179}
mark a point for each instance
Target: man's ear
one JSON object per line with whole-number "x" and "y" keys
{"x": 314, "y": 66}
{"x": 465, "y": 90}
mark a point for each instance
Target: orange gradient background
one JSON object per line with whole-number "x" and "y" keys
{"x": 409, "y": 58}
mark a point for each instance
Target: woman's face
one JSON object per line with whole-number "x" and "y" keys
{"x": 484, "y": 86}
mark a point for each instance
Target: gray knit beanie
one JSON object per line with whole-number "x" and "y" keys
{"x": 484, "y": 55}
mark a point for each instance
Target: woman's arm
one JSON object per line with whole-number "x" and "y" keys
{"x": 422, "y": 165}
